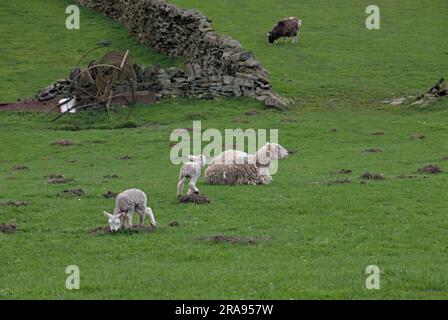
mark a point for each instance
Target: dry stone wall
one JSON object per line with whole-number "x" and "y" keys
{"x": 215, "y": 65}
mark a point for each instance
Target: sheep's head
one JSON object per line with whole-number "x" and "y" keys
{"x": 269, "y": 152}
{"x": 114, "y": 220}
{"x": 277, "y": 151}
{"x": 271, "y": 37}
{"x": 198, "y": 159}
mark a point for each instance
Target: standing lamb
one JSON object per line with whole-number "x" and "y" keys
{"x": 192, "y": 171}
{"x": 237, "y": 167}
{"x": 288, "y": 27}
{"x": 127, "y": 203}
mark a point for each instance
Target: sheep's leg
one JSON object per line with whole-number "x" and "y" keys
{"x": 192, "y": 186}
{"x": 150, "y": 215}
{"x": 141, "y": 218}
{"x": 129, "y": 219}
{"x": 180, "y": 186}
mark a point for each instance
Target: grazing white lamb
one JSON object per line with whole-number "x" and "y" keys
{"x": 237, "y": 167}
{"x": 126, "y": 204}
{"x": 192, "y": 171}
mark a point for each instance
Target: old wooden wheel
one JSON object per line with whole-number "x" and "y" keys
{"x": 104, "y": 86}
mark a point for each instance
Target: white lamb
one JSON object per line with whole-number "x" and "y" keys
{"x": 126, "y": 204}
{"x": 192, "y": 171}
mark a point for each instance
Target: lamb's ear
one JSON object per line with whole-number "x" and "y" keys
{"x": 108, "y": 215}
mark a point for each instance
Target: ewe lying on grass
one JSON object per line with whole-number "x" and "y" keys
{"x": 192, "y": 171}
{"x": 127, "y": 202}
{"x": 237, "y": 167}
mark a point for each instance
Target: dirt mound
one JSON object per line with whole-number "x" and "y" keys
{"x": 336, "y": 182}
{"x": 194, "y": 198}
{"x": 110, "y": 195}
{"x": 58, "y": 179}
{"x": 372, "y": 176}
{"x": 63, "y": 143}
{"x": 342, "y": 171}
{"x": 8, "y": 228}
{"x": 403, "y": 176}
{"x": 19, "y": 168}
{"x": 232, "y": 240}
{"x": 432, "y": 169}
{"x": 74, "y": 192}
{"x": 111, "y": 176}
{"x": 14, "y": 203}
{"x": 374, "y": 150}
{"x": 376, "y": 133}
{"x": 289, "y": 120}
{"x": 134, "y": 229}
{"x": 252, "y": 113}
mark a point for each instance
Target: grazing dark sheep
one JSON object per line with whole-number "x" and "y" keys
{"x": 288, "y": 27}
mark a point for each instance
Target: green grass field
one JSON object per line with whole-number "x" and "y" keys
{"x": 319, "y": 238}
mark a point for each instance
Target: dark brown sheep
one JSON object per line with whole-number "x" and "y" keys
{"x": 288, "y": 27}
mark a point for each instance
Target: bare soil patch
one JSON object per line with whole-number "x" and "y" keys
{"x": 334, "y": 130}
{"x": 289, "y": 121}
{"x": 125, "y": 157}
{"x": 174, "y": 224}
{"x": 33, "y": 105}
{"x": 374, "y": 150}
{"x": 20, "y": 168}
{"x": 372, "y": 176}
{"x": 74, "y": 192}
{"x": 134, "y": 229}
{"x": 403, "y": 176}
{"x": 63, "y": 143}
{"x": 111, "y": 176}
{"x": 29, "y": 106}
{"x": 418, "y": 136}
{"x": 14, "y": 203}
{"x": 233, "y": 240}
{"x": 431, "y": 169}
{"x": 110, "y": 195}
{"x": 336, "y": 182}
{"x": 342, "y": 171}
{"x": 8, "y": 228}
{"x": 57, "y": 179}
{"x": 194, "y": 198}
{"x": 252, "y": 113}
{"x": 376, "y": 133}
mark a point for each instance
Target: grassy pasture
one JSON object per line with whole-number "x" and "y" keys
{"x": 319, "y": 238}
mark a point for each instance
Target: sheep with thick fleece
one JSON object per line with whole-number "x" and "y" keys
{"x": 126, "y": 204}
{"x": 190, "y": 170}
{"x": 237, "y": 167}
